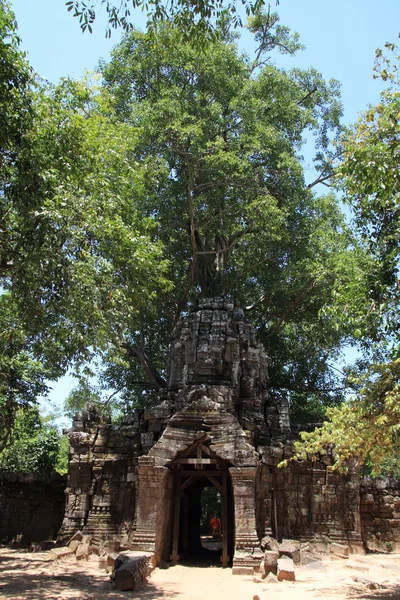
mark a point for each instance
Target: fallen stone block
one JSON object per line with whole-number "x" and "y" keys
{"x": 307, "y": 557}
{"x": 290, "y": 548}
{"x": 286, "y": 569}
{"x": 62, "y": 553}
{"x": 73, "y": 545}
{"x": 112, "y": 559}
{"x": 339, "y": 549}
{"x": 130, "y": 573}
{"x": 82, "y": 552}
{"x": 77, "y": 536}
{"x": 270, "y": 561}
{"x": 271, "y": 578}
{"x": 46, "y": 545}
{"x": 269, "y": 543}
{"x": 263, "y": 572}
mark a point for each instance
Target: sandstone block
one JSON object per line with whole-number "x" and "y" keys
{"x": 286, "y": 569}
{"x": 270, "y": 561}
{"x": 82, "y": 552}
{"x": 339, "y": 549}
{"x": 131, "y": 573}
{"x": 111, "y": 559}
{"x": 73, "y": 545}
{"x": 307, "y": 557}
{"x": 269, "y": 543}
{"x": 77, "y": 536}
{"x": 271, "y": 578}
{"x": 62, "y": 553}
{"x": 290, "y": 548}
{"x": 263, "y": 571}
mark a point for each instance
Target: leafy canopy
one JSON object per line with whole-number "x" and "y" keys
{"x": 195, "y": 20}
{"x": 367, "y": 426}
{"x": 181, "y": 174}
{"x": 36, "y": 446}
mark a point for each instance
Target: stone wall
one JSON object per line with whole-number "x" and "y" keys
{"x": 31, "y": 506}
{"x": 380, "y": 514}
{"x": 101, "y": 489}
{"x": 316, "y": 504}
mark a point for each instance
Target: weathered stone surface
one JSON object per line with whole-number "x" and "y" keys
{"x": 262, "y": 568}
{"x": 77, "y": 537}
{"x": 130, "y": 573}
{"x": 62, "y": 553}
{"x": 217, "y": 391}
{"x": 307, "y": 557}
{"x": 82, "y": 551}
{"x": 341, "y": 549}
{"x": 290, "y": 548}
{"x": 286, "y": 569}
{"x": 73, "y": 545}
{"x": 271, "y": 578}
{"x": 269, "y": 543}
{"x": 31, "y": 507}
{"x": 111, "y": 559}
{"x": 270, "y": 561}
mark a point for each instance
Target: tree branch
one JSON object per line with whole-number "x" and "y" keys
{"x": 310, "y": 93}
{"x": 320, "y": 179}
{"x": 150, "y": 370}
{"x": 300, "y": 296}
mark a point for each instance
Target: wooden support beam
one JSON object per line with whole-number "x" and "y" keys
{"x": 206, "y": 450}
{"x": 177, "y": 506}
{"x": 185, "y": 532}
{"x": 198, "y": 461}
{"x": 215, "y": 483}
{"x": 225, "y": 557}
{"x": 186, "y": 483}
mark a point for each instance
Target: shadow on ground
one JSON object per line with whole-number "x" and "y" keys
{"x": 35, "y": 577}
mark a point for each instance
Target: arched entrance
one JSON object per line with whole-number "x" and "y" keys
{"x": 194, "y": 470}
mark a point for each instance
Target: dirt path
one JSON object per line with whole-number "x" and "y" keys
{"x": 29, "y": 576}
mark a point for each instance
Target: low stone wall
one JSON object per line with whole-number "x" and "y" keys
{"x": 380, "y": 514}
{"x": 31, "y": 506}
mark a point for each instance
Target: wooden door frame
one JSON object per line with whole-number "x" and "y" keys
{"x": 192, "y": 463}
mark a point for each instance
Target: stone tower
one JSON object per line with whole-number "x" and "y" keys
{"x": 216, "y": 425}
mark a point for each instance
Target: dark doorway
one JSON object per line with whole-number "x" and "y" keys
{"x": 203, "y": 523}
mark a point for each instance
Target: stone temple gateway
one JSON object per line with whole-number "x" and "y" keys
{"x": 216, "y": 425}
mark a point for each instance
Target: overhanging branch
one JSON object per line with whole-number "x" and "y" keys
{"x": 150, "y": 370}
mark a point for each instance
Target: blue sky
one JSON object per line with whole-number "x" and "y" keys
{"x": 340, "y": 35}
{"x": 340, "y": 38}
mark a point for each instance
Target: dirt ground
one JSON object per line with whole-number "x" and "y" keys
{"x": 31, "y": 576}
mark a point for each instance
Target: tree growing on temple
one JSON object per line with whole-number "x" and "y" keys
{"x": 182, "y": 175}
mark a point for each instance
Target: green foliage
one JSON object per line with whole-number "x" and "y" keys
{"x": 181, "y": 174}
{"x": 61, "y": 465}
{"x": 34, "y": 447}
{"x": 365, "y": 428}
{"x": 22, "y": 376}
{"x": 194, "y": 20}
{"x": 210, "y": 506}
{"x": 222, "y": 134}
{"x": 369, "y": 176}
{"x": 82, "y": 260}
